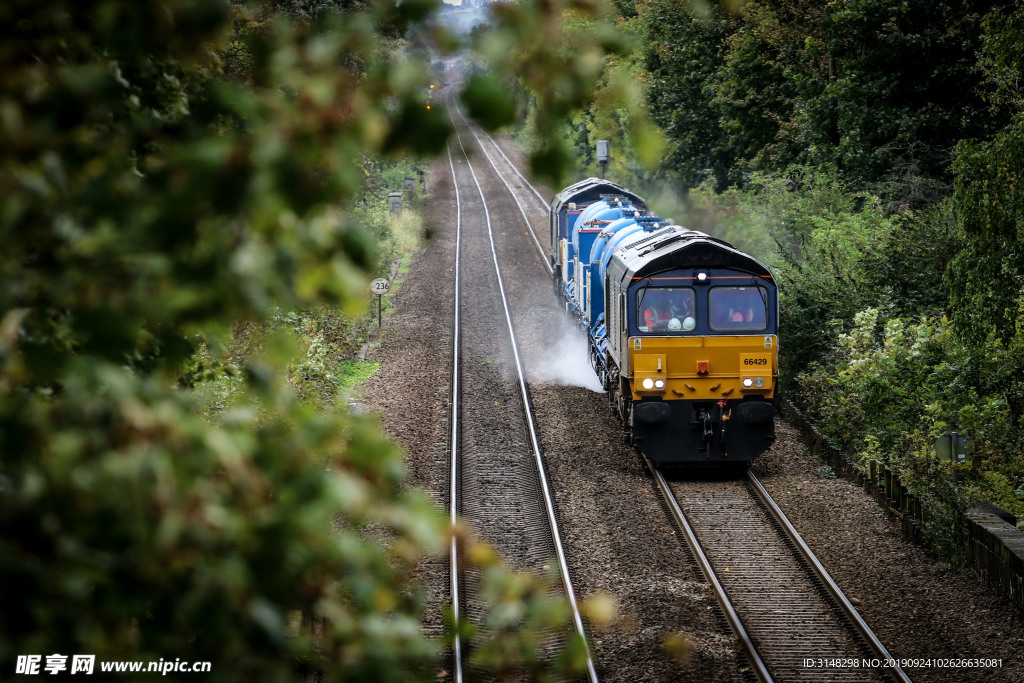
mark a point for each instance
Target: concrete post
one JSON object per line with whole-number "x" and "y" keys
{"x": 395, "y": 203}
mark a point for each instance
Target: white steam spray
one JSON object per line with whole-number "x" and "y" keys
{"x": 565, "y": 360}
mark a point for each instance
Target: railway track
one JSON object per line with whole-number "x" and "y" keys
{"x": 777, "y": 597}
{"x": 497, "y": 478}
{"x": 790, "y": 617}
{"x": 527, "y": 187}
{"x": 526, "y": 194}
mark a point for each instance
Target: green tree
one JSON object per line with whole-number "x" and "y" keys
{"x": 152, "y": 204}
{"x": 617, "y": 110}
{"x": 905, "y": 86}
{"x": 172, "y": 170}
{"x": 768, "y": 73}
{"x": 829, "y": 240}
{"x": 987, "y": 278}
{"x": 881, "y": 89}
{"x": 683, "y": 57}
{"x": 557, "y": 54}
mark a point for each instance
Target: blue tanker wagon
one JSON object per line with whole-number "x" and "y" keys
{"x": 683, "y": 327}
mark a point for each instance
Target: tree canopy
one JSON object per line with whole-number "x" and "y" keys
{"x": 172, "y": 171}
{"x": 880, "y": 89}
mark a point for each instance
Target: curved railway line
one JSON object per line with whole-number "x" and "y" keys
{"x": 775, "y": 595}
{"x": 497, "y": 478}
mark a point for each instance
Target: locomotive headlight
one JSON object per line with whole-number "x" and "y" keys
{"x": 648, "y": 383}
{"x": 659, "y": 384}
{"x": 702, "y": 277}
{"x": 747, "y": 382}
{"x": 759, "y": 382}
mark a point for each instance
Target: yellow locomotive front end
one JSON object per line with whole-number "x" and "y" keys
{"x": 703, "y": 368}
{"x": 703, "y": 397}
{"x": 695, "y": 349}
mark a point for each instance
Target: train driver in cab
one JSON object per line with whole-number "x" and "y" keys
{"x": 667, "y": 309}
{"x": 739, "y": 308}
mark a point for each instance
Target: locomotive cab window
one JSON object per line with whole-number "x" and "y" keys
{"x": 665, "y": 309}
{"x": 740, "y": 309}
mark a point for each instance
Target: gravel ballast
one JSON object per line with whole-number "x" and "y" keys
{"x": 618, "y": 537}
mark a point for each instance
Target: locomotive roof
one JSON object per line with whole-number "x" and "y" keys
{"x": 673, "y": 247}
{"x": 590, "y": 190}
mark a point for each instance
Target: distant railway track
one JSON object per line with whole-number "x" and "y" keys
{"x": 776, "y": 596}
{"x": 522, "y": 179}
{"x": 516, "y": 197}
{"x": 497, "y": 478}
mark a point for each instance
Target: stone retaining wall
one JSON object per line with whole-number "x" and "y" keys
{"x": 997, "y": 551}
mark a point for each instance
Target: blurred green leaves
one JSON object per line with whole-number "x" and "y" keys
{"x": 552, "y": 59}
{"x": 176, "y": 173}
{"x": 138, "y": 527}
{"x": 486, "y": 101}
{"x": 418, "y": 127}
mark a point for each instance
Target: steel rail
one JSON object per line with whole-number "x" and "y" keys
{"x": 732, "y": 617}
{"x": 543, "y": 201}
{"x": 757, "y": 664}
{"x": 543, "y": 257}
{"x": 535, "y": 443}
{"x": 822, "y": 574}
{"x": 453, "y": 491}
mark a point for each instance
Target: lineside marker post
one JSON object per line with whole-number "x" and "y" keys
{"x": 380, "y": 287}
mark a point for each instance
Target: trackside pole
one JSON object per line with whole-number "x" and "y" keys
{"x": 380, "y": 287}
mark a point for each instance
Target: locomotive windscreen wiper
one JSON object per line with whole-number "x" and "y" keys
{"x": 640, "y": 304}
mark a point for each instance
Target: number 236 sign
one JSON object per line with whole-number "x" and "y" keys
{"x": 380, "y": 286}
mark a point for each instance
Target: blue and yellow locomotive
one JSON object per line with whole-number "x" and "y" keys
{"x": 683, "y": 327}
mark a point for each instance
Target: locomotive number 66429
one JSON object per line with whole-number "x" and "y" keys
{"x": 683, "y": 327}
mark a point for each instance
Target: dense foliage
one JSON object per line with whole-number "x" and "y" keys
{"x": 152, "y": 202}
{"x": 190, "y": 210}
{"x": 681, "y": 56}
{"x": 880, "y": 90}
{"x": 988, "y": 274}
{"x": 871, "y": 152}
